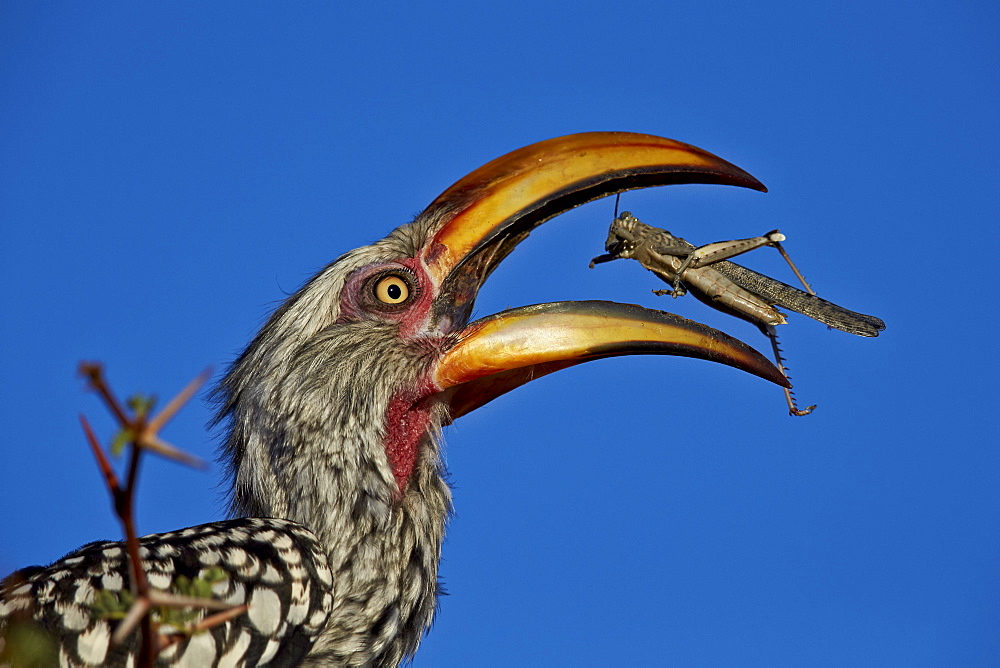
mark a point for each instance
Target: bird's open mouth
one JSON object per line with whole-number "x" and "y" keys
{"x": 480, "y": 219}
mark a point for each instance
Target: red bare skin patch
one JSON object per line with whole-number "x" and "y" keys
{"x": 407, "y": 417}
{"x": 415, "y": 319}
{"x": 406, "y": 422}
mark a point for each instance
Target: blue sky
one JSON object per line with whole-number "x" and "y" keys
{"x": 168, "y": 174}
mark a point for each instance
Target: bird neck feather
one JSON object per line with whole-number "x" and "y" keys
{"x": 325, "y": 425}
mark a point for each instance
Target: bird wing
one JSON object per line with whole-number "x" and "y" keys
{"x": 275, "y": 566}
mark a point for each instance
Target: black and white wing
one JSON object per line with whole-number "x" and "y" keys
{"x": 276, "y": 566}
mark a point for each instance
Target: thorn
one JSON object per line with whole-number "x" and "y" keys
{"x": 151, "y": 442}
{"x": 102, "y": 461}
{"x": 182, "y": 397}
{"x": 209, "y": 622}
{"x": 132, "y": 618}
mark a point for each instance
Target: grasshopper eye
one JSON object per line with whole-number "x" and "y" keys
{"x": 392, "y": 290}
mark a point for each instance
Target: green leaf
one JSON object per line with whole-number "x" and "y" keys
{"x": 141, "y": 404}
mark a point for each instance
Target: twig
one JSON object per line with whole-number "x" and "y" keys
{"x": 142, "y": 434}
{"x": 94, "y": 373}
{"x": 166, "y": 640}
{"x": 122, "y": 499}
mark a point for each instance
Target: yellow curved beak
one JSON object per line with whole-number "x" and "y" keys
{"x": 477, "y": 222}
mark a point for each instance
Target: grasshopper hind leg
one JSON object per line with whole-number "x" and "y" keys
{"x": 779, "y": 361}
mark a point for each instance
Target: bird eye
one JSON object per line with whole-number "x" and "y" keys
{"x": 392, "y": 290}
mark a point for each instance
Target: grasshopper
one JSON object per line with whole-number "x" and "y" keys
{"x": 705, "y": 272}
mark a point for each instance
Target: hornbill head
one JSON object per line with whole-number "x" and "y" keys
{"x": 335, "y": 408}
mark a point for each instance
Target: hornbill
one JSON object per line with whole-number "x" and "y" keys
{"x": 333, "y": 415}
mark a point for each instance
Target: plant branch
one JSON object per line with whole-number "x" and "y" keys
{"x": 143, "y": 434}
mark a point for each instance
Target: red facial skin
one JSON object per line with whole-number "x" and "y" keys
{"x": 407, "y": 416}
